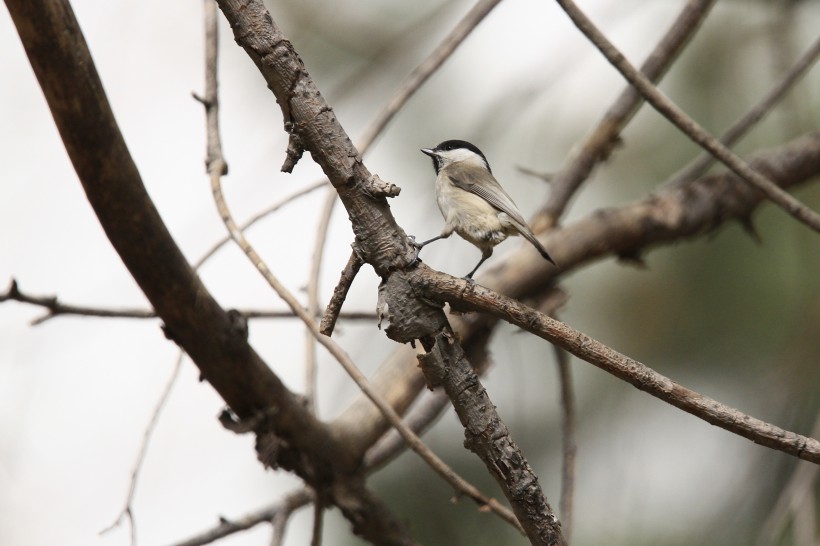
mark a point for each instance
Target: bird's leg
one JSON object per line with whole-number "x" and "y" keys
{"x": 485, "y": 253}
{"x": 421, "y": 245}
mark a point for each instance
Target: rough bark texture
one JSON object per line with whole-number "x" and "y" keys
{"x": 488, "y": 437}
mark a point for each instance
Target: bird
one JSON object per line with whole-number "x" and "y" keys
{"x": 473, "y": 203}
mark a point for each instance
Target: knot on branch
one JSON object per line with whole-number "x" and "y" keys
{"x": 407, "y": 315}
{"x": 435, "y": 364}
{"x": 376, "y": 188}
{"x": 295, "y": 149}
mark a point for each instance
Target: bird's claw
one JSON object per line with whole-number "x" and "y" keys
{"x": 418, "y": 248}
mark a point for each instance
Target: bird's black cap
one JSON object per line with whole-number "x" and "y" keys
{"x": 448, "y": 145}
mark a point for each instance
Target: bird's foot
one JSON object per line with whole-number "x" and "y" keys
{"x": 418, "y": 248}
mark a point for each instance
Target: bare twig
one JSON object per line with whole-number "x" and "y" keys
{"x": 215, "y": 161}
{"x": 699, "y": 165}
{"x": 421, "y": 418}
{"x": 442, "y": 287}
{"x": 277, "y": 513}
{"x": 686, "y": 124}
{"x": 318, "y": 519}
{"x": 334, "y": 307}
{"x": 598, "y": 145}
{"x": 128, "y": 510}
{"x": 570, "y": 442}
{"x": 423, "y": 71}
{"x": 313, "y": 294}
{"x": 261, "y": 215}
{"x": 55, "y": 308}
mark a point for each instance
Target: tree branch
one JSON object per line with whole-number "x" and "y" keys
{"x": 334, "y": 307}
{"x": 570, "y": 444}
{"x": 423, "y": 71}
{"x": 488, "y": 437}
{"x": 63, "y": 66}
{"x": 56, "y": 308}
{"x": 598, "y": 145}
{"x": 442, "y": 287}
{"x": 289, "y": 504}
{"x": 699, "y": 165}
{"x": 686, "y": 124}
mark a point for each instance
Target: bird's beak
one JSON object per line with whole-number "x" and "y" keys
{"x": 429, "y": 151}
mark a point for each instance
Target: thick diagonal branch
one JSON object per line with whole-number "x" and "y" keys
{"x": 62, "y": 63}
{"x": 443, "y": 287}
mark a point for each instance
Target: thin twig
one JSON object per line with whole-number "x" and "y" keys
{"x": 318, "y": 519}
{"x": 280, "y": 510}
{"x": 598, "y": 145}
{"x": 55, "y": 308}
{"x": 570, "y": 443}
{"x": 128, "y": 510}
{"x": 701, "y": 164}
{"x": 313, "y": 294}
{"x": 422, "y": 417}
{"x": 441, "y": 287}
{"x": 686, "y": 124}
{"x": 423, "y": 71}
{"x": 334, "y": 307}
{"x": 263, "y": 214}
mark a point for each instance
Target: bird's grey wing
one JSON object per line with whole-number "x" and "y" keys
{"x": 483, "y": 184}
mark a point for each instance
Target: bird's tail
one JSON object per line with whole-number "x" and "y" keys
{"x": 527, "y": 233}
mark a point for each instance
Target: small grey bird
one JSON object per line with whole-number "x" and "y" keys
{"x": 473, "y": 203}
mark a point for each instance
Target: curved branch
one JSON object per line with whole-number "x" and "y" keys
{"x": 62, "y": 63}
